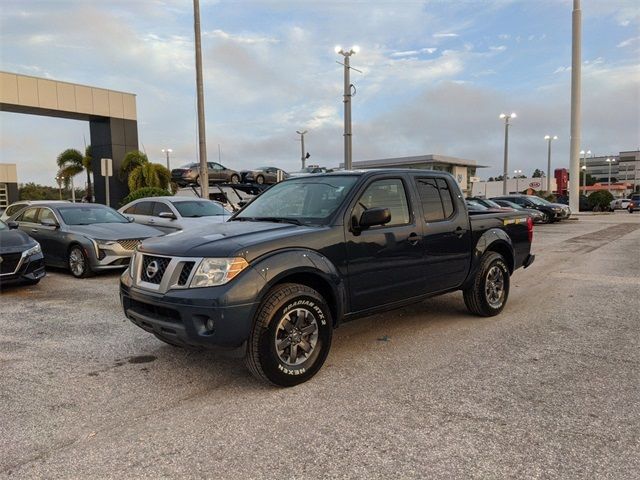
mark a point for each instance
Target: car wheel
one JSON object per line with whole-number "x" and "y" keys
{"x": 78, "y": 262}
{"x": 260, "y": 179}
{"x": 290, "y": 337}
{"x": 489, "y": 291}
{"x": 545, "y": 218}
{"x": 630, "y": 210}
{"x": 235, "y": 178}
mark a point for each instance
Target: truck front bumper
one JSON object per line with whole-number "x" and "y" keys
{"x": 199, "y": 317}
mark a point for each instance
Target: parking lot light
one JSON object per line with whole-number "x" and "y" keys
{"x": 506, "y": 117}
{"x": 610, "y": 161}
{"x": 549, "y": 138}
{"x": 167, "y": 151}
{"x": 347, "y": 101}
{"x": 584, "y": 170}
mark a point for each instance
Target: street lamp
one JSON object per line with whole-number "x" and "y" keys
{"x": 167, "y": 151}
{"x": 59, "y": 180}
{"x": 584, "y": 170}
{"x": 548, "y": 138}
{"x": 302, "y": 156}
{"x": 347, "y": 101}
{"x": 517, "y": 174}
{"x": 610, "y": 161}
{"x": 506, "y": 117}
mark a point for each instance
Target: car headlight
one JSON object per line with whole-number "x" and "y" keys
{"x": 217, "y": 271}
{"x": 105, "y": 243}
{"x": 33, "y": 250}
{"x": 557, "y": 209}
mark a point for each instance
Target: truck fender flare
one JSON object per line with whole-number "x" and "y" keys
{"x": 493, "y": 239}
{"x": 291, "y": 263}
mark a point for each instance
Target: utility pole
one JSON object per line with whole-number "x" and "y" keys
{"x": 202, "y": 135}
{"x": 576, "y": 64}
{"x": 506, "y": 117}
{"x": 548, "y": 138}
{"x": 302, "y": 153}
{"x": 348, "y": 154}
{"x": 167, "y": 151}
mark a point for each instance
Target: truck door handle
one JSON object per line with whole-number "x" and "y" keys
{"x": 459, "y": 232}
{"x": 413, "y": 238}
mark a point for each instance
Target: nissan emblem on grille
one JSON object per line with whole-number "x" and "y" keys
{"x": 152, "y": 269}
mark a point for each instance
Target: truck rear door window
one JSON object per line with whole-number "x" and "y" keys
{"x": 435, "y": 196}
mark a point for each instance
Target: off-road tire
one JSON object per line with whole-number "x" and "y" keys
{"x": 261, "y": 357}
{"x": 475, "y": 296}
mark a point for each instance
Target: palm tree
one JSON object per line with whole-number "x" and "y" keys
{"x": 149, "y": 175}
{"x": 71, "y": 162}
{"x": 130, "y": 162}
{"x": 86, "y": 162}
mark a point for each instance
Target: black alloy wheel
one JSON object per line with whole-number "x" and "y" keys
{"x": 488, "y": 293}
{"x": 78, "y": 262}
{"x": 290, "y": 337}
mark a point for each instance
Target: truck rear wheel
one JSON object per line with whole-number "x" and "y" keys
{"x": 291, "y": 336}
{"x": 488, "y": 293}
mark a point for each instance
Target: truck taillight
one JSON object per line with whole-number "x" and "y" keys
{"x": 530, "y": 228}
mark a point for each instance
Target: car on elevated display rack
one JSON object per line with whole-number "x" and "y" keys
{"x": 190, "y": 174}
{"x": 21, "y": 259}
{"x": 170, "y": 214}
{"x": 83, "y": 237}
{"x": 264, "y": 175}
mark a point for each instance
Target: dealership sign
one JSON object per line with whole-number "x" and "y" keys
{"x": 535, "y": 184}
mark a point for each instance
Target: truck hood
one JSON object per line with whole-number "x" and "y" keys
{"x": 222, "y": 240}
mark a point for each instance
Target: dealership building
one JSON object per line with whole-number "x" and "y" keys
{"x": 8, "y": 184}
{"x": 464, "y": 171}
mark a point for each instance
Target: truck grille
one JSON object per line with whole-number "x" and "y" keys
{"x": 129, "y": 244}
{"x": 9, "y": 262}
{"x": 184, "y": 274}
{"x": 153, "y": 268}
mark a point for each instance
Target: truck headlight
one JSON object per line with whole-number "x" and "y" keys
{"x": 33, "y": 250}
{"x": 217, "y": 271}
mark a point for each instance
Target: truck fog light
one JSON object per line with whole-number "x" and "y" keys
{"x": 210, "y": 324}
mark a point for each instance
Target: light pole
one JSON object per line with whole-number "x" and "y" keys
{"x": 549, "y": 138}
{"x": 610, "y": 161}
{"x": 347, "y": 102}
{"x": 202, "y": 135}
{"x": 59, "y": 180}
{"x": 167, "y": 151}
{"x": 517, "y": 174}
{"x": 576, "y": 80}
{"x": 584, "y": 170}
{"x": 506, "y": 117}
{"x": 302, "y": 153}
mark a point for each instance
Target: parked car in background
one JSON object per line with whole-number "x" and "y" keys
{"x": 15, "y": 207}
{"x": 190, "y": 174}
{"x": 264, "y": 175}
{"x": 491, "y": 204}
{"x": 536, "y": 215}
{"x": 634, "y": 204}
{"x": 619, "y": 204}
{"x": 83, "y": 237}
{"x": 310, "y": 170}
{"x": 170, "y": 214}
{"x": 552, "y": 212}
{"x": 474, "y": 206}
{"x": 21, "y": 259}
{"x": 583, "y": 202}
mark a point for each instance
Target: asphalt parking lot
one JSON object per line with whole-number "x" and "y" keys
{"x": 548, "y": 389}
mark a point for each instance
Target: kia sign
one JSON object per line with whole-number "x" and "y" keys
{"x": 535, "y": 185}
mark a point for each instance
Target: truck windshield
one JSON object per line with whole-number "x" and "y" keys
{"x": 301, "y": 200}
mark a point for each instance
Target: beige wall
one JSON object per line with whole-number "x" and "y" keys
{"x": 8, "y": 173}
{"x": 26, "y": 91}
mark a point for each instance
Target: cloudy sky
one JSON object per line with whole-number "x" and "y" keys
{"x": 435, "y": 76}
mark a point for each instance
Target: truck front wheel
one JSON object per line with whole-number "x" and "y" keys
{"x": 290, "y": 337}
{"x": 488, "y": 293}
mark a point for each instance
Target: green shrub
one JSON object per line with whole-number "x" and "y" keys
{"x": 600, "y": 199}
{"x": 144, "y": 193}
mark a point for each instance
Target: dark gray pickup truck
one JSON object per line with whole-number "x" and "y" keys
{"x": 312, "y": 252}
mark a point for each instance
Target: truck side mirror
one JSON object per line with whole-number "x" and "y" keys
{"x": 373, "y": 217}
